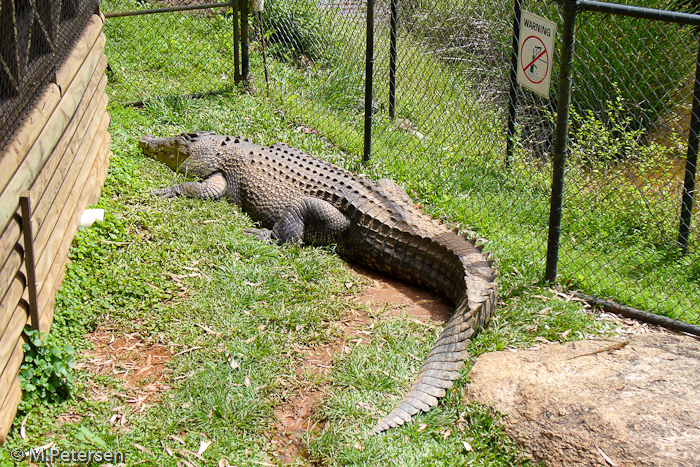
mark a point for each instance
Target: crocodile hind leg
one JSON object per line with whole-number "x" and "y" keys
{"x": 395, "y": 191}
{"x": 212, "y": 188}
{"x": 309, "y": 220}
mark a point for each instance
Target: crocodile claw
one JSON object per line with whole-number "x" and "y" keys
{"x": 164, "y": 192}
{"x": 264, "y": 235}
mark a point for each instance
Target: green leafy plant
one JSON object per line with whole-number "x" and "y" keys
{"x": 295, "y": 30}
{"x": 45, "y": 374}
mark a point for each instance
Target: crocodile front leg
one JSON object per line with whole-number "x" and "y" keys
{"x": 309, "y": 220}
{"x": 212, "y": 188}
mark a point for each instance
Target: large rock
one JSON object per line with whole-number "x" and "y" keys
{"x": 634, "y": 404}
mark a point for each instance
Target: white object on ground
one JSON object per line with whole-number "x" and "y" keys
{"x": 90, "y": 216}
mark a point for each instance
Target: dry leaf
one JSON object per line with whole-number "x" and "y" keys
{"x": 187, "y": 350}
{"x": 422, "y": 427}
{"x": 467, "y": 446}
{"x": 203, "y": 445}
{"x": 246, "y": 381}
{"x": 566, "y": 333}
{"x": 446, "y": 434}
{"x": 167, "y": 449}
{"x": 358, "y": 446}
{"x": 22, "y": 433}
{"x": 142, "y": 449}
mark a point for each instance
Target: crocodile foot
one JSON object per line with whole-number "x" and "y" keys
{"x": 165, "y": 192}
{"x": 264, "y": 235}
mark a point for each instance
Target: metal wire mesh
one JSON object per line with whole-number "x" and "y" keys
{"x": 36, "y": 37}
{"x": 443, "y": 133}
{"x": 151, "y": 55}
{"x": 446, "y": 142}
{"x": 629, "y": 137}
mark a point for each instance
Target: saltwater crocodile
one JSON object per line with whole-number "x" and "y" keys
{"x": 297, "y": 197}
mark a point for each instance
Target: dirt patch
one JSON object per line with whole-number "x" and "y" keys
{"x": 295, "y": 415}
{"x": 140, "y": 365}
{"x": 305, "y": 389}
{"x": 402, "y": 297}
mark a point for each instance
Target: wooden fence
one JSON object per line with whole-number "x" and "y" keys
{"x": 52, "y": 168}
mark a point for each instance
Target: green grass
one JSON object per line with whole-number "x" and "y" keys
{"x": 169, "y": 270}
{"x": 619, "y": 224}
{"x": 265, "y": 302}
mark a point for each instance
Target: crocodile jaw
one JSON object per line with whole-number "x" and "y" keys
{"x": 171, "y": 151}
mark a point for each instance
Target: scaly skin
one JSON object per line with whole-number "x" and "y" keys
{"x": 298, "y": 197}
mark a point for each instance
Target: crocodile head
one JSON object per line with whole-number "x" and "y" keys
{"x": 173, "y": 151}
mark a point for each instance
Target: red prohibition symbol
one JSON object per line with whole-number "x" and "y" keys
{"x": 534, "y": 58}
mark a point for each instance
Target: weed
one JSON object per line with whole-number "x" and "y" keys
{"x": 45, "y": 373}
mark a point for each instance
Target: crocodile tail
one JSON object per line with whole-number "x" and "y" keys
{"x": 441, "y": 369}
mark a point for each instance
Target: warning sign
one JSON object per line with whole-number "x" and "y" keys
{"x": 535, "y": 51}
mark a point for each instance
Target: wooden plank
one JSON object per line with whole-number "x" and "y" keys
{"x": 25, "y": 136}
{"x": 68, "y": 213}
{"x": 80, "y": 50}
{"x": 13, "y": 331}
{"x": 52, "y": 227}
{"x": 10, "y": 235}
{"x": 46, "y": 301}
{"x": 10, "y": 268}
{"x": 42, "y": 148}
{"x": 49, "y": 179}
{"x": 11, "y": 299}
{"x": 8, "y": 240}
{"x": 58, "y": 168}
{"x": 11, "y": 370}
{"x": 9, "y": 410}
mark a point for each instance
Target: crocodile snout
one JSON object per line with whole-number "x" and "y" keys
{"x": 166, "y": 150}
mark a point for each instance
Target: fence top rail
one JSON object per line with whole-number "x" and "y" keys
{"x": 168, "y": 10}
{"x": 639, "y": 12}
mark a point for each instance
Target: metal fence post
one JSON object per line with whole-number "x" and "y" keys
{"x": 245, "y": 64}
{"x": 561, "y": 139}
{"x": 369, "y": 70}
{"x": 513, "y": 95}
{"x": 392, "y": 61}
{"x": 236, "y": 43}
{"x": 690, "y": 164}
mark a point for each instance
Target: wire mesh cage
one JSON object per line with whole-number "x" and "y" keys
{"x": 36, "y": 37}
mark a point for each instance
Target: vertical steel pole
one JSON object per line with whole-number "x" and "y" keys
{"x": 561, "y": 139}
{"x": 262, "y": 39}
{"x": 392, "y": 61}
{"x": 236, "y": 43}
{"x": 690, "y": 164}
{"x": 513, "y": 95}
{"x": 369, "y": 71}
{"x": 245, "y": 65}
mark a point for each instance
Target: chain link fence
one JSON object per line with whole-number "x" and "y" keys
{"x": 440, "y": 111}
{"x": 151, "y": 50}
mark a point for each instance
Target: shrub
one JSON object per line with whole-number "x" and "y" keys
{"x": 295, "y": 31}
